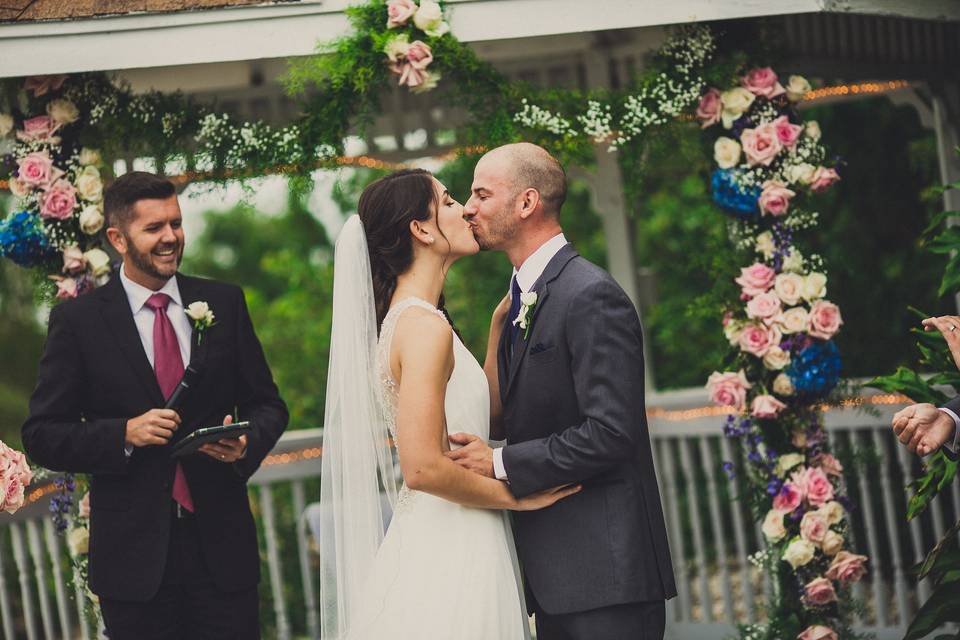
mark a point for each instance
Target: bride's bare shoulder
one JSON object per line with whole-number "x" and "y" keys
{"x": 423, "y": 336}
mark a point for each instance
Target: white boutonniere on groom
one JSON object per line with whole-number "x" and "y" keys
{"x": 528, "y": 301}
{"x": 201, "y": 315}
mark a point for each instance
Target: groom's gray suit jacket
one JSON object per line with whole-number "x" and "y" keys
{"x": 573, "y": 406}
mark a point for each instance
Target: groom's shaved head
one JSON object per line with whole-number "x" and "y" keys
{"x": 532, "y": 167}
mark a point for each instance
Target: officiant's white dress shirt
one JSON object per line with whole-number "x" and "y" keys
{"x": 527, "y": 276}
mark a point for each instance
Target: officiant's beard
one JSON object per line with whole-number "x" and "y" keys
{"x": 141, "y": 260}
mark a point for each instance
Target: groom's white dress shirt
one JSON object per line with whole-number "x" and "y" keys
{"x": 955, "y": 446}
{"x": 527, "y": 276}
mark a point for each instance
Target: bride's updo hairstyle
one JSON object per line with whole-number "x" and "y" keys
{"x": 386, "y": 208}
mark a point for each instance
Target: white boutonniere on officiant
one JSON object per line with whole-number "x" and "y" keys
{"x": 202, "y": 316}
{"x": 528, "y": 301}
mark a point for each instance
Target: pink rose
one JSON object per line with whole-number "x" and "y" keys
{"x": 763, "y": 306}
{"x": 818, "y": 632}
{"x": 819, "y": 592}
{"x": 763, "y": 82}
{"x": 789, "y": 498}
{"x": 823, "y": 178}
{"x": 73, "y": 259}
{"x": 399, "y": 11}
{"x": 41, "y": 84}
{"x": 787, "y": 133}
{"x": 410, "y": 76}
{"x": 824, "y": 320}
{"x": 847, "y": 567}
{"x": 419, "y": 55}
{"x": 775, "y": 198}
{"x": 815, "y": 484}
{"x": 84, "y": 509}
{"x": 813, "y": 527}
{"x": 830, "y": 465}
{"x": 756, "y": 279}
{"x": 13, "y": 495}
{"x": 728, "y": 389}
{"x": 708, "y": 111}
{"x": 36, "y": 169}
{"x": 761, "y": 145}
{"x": 66, "y": 288}
{"x": 40, "y": 128}
{"x": 766, "y": 406}
{"x": 59, "y": 200}
{"x": 757, "y": 339}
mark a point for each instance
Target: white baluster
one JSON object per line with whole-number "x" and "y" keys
{"x": 916, "y": 535}
{"x": 706, "y": 459}
{"x": 871, "y": 525}
{"x": 858, "y": 588}
{"x": 273, "y": 560}
{"x": 698, "y": 541}
{"x": 306, "y": 576}
{"x": 80, "y": 596}
{"x": 40, "y": 570}
{"x": 676, "y": 532}
{"x": 53, "y": 549}
{"x": 893, "y": 530}
{"x": 5, "y": 599}
{"x": 740, "y": 538}
{"x": 671, "y": 604}
{"x": 23, "y": 571}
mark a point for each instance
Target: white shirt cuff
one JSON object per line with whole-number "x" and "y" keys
{"x": 954, "y": 446}
{"x": 128, "y": 450}
{"x": 498, "y": 469}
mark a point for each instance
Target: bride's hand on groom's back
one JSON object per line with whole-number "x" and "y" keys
{"x": 546, "y": 498}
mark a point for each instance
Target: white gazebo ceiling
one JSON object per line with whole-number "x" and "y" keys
{"x": 278, "y": 30}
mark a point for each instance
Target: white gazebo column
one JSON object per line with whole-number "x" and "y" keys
{"x": 606, "y": 186}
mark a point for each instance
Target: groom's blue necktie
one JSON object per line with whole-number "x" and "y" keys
{"x": 514, "y": 311}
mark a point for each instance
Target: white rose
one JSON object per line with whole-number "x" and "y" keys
{"x": 832, "y": 543}
{"x": 89, "y": 157}
{"x": 6, "y": 124}
{"x": 776, "y": 358}
{"x": 773, "y": 527}
{"x": 63, "y": 111}
{"x": 782, "y": 385}
{"x": 732, "y": 331}
{"x": 18, "y": 188}
{"x": 788, "y": 287}
{"x": 799, "y": 552}
{"x": 797, "y": 87}
{"x": 78, "y": 540}
{"x": 89, "y": 185}
{"x": 787, "y": 462}
{"x": 794, "y": 261}
{"x": 765, "y": 244}
{"x": 801, "y": 173}
{"x": 429, "y": 19}
{"x": 812, "y": 129}
{"x": 98, "y": 262}
{"x": 794, "y": 320}
{"x": 814, "y": 286}
{"x": 396, "y": 48}
{"x": 726, "y": 152}
{"x": 198, "y": 310}
{"x": 735, "y": 102}
{"x": 528, "y": 299}
{"x": 91, "y": 220}
{"x": 832, "y": 512}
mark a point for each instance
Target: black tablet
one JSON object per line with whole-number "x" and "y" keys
{"x": 203, "y": 436}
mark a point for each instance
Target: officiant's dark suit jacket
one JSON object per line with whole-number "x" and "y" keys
{"x": 94, "y": 376}
{"x": 574, "y": 411}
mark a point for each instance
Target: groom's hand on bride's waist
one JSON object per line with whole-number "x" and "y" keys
{"x": 475, "y": 454}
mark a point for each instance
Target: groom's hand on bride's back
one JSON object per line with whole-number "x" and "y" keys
{"x": 475, "y": 454}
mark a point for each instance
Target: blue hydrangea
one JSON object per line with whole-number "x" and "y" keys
{"x": 815, "y": 370}
{"x": 730, "y": 195}
{"x": 23, "y": 240}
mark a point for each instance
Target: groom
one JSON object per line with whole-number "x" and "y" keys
{"x": 173, "y": 546}
{"x": 597, "y": 564}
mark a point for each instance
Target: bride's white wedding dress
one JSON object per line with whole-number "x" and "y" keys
{"x": 443, "y": 571}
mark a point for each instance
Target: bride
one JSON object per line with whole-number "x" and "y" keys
{"x": 446, "y": 567}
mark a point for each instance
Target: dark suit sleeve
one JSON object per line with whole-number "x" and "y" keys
{"x": 606, "y": 348}
{"x": 55, "y": 434}
{"x": 952, "y": 446}
{"x": 258, "y": 400}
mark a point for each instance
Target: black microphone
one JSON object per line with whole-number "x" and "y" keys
{"x": 189, "y": 379}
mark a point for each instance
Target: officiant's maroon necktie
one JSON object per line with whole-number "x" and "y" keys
{"x": 168, "y": 365}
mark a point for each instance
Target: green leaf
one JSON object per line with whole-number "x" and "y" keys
{"x": 941, "y": 559}
{"x": 939, "y": 219}
{"x": 947, "y": 241}
{"x": 939, "y": 609}
{"x": 910, "y": 384}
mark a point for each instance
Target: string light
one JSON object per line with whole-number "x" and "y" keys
{"x": 861, "y": 88}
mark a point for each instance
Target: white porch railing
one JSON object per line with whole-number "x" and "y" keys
{"x": 711, "y": 533}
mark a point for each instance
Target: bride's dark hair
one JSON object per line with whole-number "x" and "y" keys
{"x": 386, "y": 208}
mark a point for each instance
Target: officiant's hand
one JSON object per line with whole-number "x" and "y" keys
{"x": 475, "y": 455}
{"x": 949, "y": 326}
{"x": 226, "y": 449}
{"x": 155, "y": 427}
{"x": 923, "y": 428}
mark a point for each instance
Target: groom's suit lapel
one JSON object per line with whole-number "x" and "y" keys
{"x": 542, "y": 287}
{"x": 190, "y": 293}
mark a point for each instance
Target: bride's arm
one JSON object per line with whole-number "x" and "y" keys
{"x": 490, "y": 368}
{"x": 423, "y": 344}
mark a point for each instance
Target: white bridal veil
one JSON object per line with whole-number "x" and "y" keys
{"x": 357, "y": 461}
